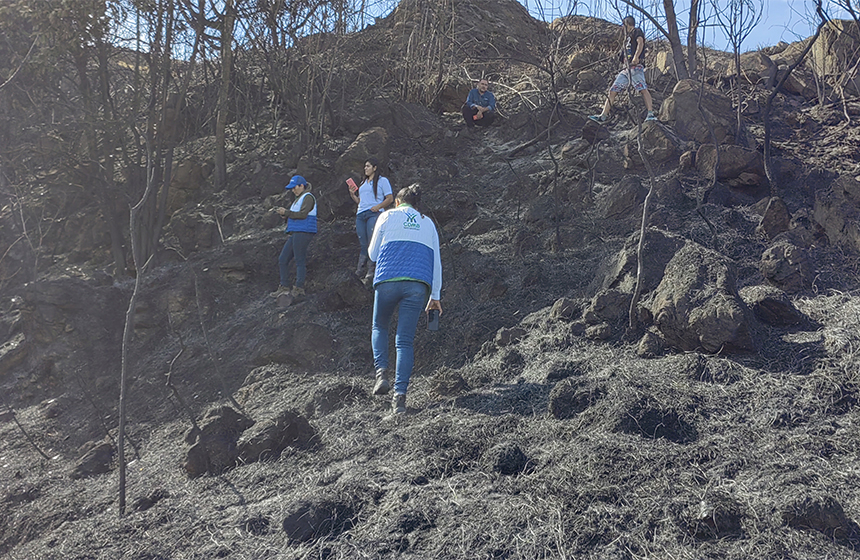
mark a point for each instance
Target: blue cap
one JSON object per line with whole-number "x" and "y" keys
{"x": 296, "y": 181}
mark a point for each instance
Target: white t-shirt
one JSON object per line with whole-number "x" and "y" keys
{"x": 366, "y": 201}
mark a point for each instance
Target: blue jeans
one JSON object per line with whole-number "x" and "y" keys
{"x": 411, "y": 296}
{"x": 364, "y": 224}
{"x": 295, "y": 247}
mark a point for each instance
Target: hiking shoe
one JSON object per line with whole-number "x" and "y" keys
{"x": 598, "y": 118}
{"x": 281, "y": 290}
{"x": 382, "y": 385}
{"x": 297, "y": 292}
{"x": 361, "y": 266}
{"x": 398, "y": 404}
{"x": 651, "y": 116}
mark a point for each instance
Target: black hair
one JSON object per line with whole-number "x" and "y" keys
{"x": 411, "y": 195}
{"x": 630, "y": 20}
{"x": 374, "y": 163}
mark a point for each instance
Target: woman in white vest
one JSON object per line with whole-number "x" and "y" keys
{"x": 301, "y": 226}
{"x": 405, "y": 248}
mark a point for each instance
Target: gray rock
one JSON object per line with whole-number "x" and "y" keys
{"x": 622, "y": 200}
{"x": 650, "y": 345}
{"x": 680, "y": 111}
{"x": 771, "y": 305}
{"x": 215, "y": 448}
{"x": 738, "y": 167}
{"x": 838, "y": 212}
{"x": 696, "y": 306}
{"x": 607, "y": 305}
{"x": 659, "y": 248}
{"x": 787, "y": 266}
{"x": 506, "y": 337}
{"x": 266, "y": 440}
{"x": 564, "y": 309}
{"x": 97, "y": 460}
{"x": 776, "y": 218}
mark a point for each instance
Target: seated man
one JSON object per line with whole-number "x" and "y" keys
{"x": 480, "y": 106}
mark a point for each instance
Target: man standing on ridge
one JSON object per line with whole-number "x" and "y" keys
{"x": 634, "y": 62}
{"x": 480, "y": 107}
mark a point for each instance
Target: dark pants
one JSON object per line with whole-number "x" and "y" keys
{"x": 469, "y": 112}
{"x": 295, "y": 247}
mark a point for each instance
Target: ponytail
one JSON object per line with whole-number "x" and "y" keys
{"x": 411, "y": 195}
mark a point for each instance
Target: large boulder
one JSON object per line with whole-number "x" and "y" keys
{"x": 681, "y": 111}
{"x": 659, "y": 248}
{"x": 738, "y": 167}
{"x": 837, "y": 211}
{"x": 776, "y": 218}
{"x": 771, "y": 305}
{"x": 697, "y": 307}
{"x": 189, "y": 178}
{"x": 756, "y": 68}
{"x": 96, "y": 460}
{"x": 194, "y": 231}
{"x": 787, "y": 266}
{"x": 835, "y": 52}
{"x": 268, "y": 439}
{"x": 215, "y": 446}
{"x": 619, "y": 201}
{"x": 658, "y": 142}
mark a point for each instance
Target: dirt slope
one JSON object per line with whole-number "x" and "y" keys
{"x": 532, "y": 432}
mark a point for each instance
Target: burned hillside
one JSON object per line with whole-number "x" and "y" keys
{"x": 547, "y": 418}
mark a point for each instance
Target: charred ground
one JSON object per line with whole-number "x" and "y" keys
{"x": 538, "y": 425}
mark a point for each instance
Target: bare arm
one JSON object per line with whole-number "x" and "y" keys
{"x": 640, "y": 44}
{"x": 386, "y": 202}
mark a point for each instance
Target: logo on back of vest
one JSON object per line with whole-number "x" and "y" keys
{"x": 411, "y": 222}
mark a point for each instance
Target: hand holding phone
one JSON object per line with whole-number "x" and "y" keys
{"x": 351, "y": 184}
{"x": 433, "y": 320}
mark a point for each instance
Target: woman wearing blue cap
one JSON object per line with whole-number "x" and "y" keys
{"x": 301, "y": 227}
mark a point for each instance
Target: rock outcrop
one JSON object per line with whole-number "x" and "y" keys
{"x": 696, "y": 306}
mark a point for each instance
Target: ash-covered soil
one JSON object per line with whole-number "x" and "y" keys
{"x": 532, "y": 431}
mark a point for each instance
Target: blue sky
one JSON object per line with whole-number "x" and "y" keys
{"x": 783, "y": 20}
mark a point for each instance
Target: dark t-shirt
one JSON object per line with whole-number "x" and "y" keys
{"x": 630, "y": 44}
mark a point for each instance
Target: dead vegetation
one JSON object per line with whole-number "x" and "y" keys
{"x": 534, "y": 429}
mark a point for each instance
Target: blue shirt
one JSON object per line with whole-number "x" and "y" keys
{"x": 487, "y": 100}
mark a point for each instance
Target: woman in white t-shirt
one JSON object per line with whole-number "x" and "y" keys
{"x": 373, "y": 196}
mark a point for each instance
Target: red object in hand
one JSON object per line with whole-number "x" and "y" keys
{"x": 475, "y": 117}
{"x": 352, "y": 186}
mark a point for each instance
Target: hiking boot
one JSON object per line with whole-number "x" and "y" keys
{"x": 598, "y": 118}
{"x": 382, "y": 385}
{"x": 398, "y": 404}
{"x": 651, "y": 116}
{"x": 280, "y": 291}
{"x": 371, "y": 271}
{"x": 297, "y": 292}
{"x": 362, "y": 263}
